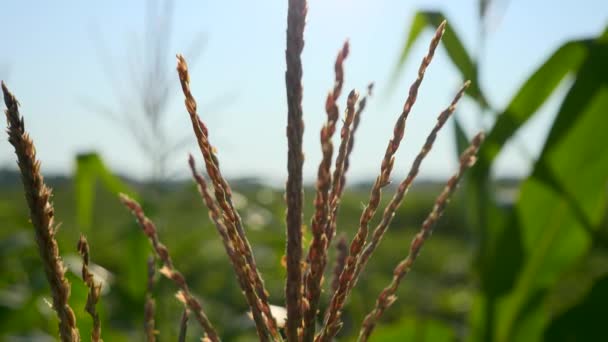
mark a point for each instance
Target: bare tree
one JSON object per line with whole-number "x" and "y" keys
{"x": 143, "y": 90}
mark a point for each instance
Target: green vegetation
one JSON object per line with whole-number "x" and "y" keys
{"x": 531, "y": 266}
{"x": 525, "y": 255}
{"x": 439, "y": 288}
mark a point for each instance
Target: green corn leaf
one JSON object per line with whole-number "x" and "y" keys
{"x": 560, "y": 206}
{"x": 586, "y": 320}
{"x": 462, "y": 141}
{"x": 555, "y": 233}
{"x": 456, "y": 51}
{"x": 90, "y": 170}
{"x": 530, "y": 97}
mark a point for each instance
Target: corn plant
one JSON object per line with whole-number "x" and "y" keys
{"x": 306, "y": 265}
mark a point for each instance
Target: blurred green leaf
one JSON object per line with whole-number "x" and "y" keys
{"x": 585, "y": 321}
{"x": 530, "y": 97}
{"x": 553, "y": 230}
{"x": 559, "y": 205}
{"x": 411, "y": 329}
{"x": 502, "y": 259}
{"x": 568, "y": 59}
{"x": 531, "y": 321}
{"x": 573, "y": 161}
{"x": 591, "y": 79}
{"x": 453, "y": 45}
{"x": 89, "y": 170}
{"x": 462, "y": 141}
{"x": 78, "y": 299}
{"x": 135, "y": 267}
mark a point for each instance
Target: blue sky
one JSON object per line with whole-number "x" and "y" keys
{"x": 52, "y": 57}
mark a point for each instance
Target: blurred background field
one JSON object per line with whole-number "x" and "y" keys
{"x": 520, "y": 255}
{"x": 435, "y": 300}
{"x": 438, "y": 289}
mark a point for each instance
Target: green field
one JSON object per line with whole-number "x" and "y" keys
{"x": 440, "y": 287}
{"x": 436, "y": 298}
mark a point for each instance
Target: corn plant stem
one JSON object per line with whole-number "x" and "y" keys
{"x": 223, "y": 193}
{"x": 341, "y": 254}
{"x": 345, "y": 135}
{"x": 332, "y": 322}
{"x": 168, "y": 269}
{"x": 387, "y": 296}
{"x": 229, "y": 240}
{"x": 296, "y": 18}
{"x": 150, "y": 306}
{"x": 404, "y": 187}
{"x": 183, "y": 325}
{"x": 317, "y": 253}
{"x": 331, "y": 227}
{"x": 351, "y": 142}
{"x": 339, "y": 171}
{"x": 94, "y": 289}
{"x": 342, "y": 247}
{"x": 38, "y": 196}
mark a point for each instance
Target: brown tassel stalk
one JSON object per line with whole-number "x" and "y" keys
{"x": 351, "y": 142}
{"x": 223, "y": 195}
{"x": 168, "y": 270}
{"x": 339, "y": 171}
{"x": 404, "y": 187}
{"x": 230, "y": 239}
{"x": 296, "y": 18}
{"x": 317, "y": 253}
{"x": 387, "y": 296}
{"x": 94, "y": 289}
{"x": 183, "y": 325}
{"x": 332, "y": 316}
{"x": 331, "y": 227}
{"x": 150, "y": 306}
{"x": 341, "y": 254}
{"x": 42, "y": 214}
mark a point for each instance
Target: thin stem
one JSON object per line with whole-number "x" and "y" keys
{"x": 351, "y": 142}
{"x": 150, "y": 306}
{"x": 404, "y": 187}
{"x": 341, "y": 254}
{"x": 223, "y": 195}
{"x": 183, "y": 325}
{"x": 296, "y": 18}
{"x": 94, "y": 289}
{"x": 168, "y": 270}
{"x": 347, "y": 145}
{"x": 332, "y": 315}
{"x": 317, "y": 253}
{"x": 230, "y": 239}
{"x": 387, "y": 296}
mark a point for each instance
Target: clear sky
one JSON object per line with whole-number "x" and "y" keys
{"x": 51, "y": 61}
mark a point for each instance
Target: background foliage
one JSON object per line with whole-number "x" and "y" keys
{"x": 530, "y": 268}
{"x": 525, "y": 253}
